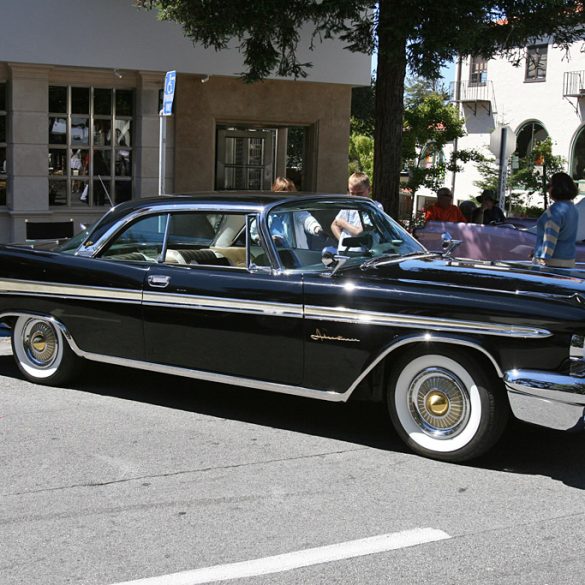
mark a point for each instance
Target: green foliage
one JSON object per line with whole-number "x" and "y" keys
{"x": 422, "y": 36}
{"x": 429, "y": 124}
{"x": 530, "y": 177}
{"x": 361, "y": 154}
{"x": 418, "y": 88}
{"x": 268, "y": 30}
{"x": 488, "y": 170}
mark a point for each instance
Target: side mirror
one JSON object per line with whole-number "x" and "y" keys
{"x": 328, "y": 255}
{"x": 331, "y": 258}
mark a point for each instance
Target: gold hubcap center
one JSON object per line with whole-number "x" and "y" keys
{"x": 437, "y": 403}
{"x": 39, "y": 343}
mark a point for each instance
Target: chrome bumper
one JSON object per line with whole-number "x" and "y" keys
{"x": 549, "y": 399}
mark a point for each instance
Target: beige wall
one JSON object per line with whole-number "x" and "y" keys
{"x": 200, "y": 106}
{"x": 191, "y": 152}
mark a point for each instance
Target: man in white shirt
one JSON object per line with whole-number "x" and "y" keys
{"x": 347, "y": 222}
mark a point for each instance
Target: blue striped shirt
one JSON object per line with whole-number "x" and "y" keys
{"x": 556, "y": 232}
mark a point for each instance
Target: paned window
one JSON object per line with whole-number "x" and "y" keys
{"x": 3, "y": 142}
{"x": 536, "y": 58}
{"x": 90, "y": 146}
{"x": 247, "y": 157}
{"x": 478, "y": 71}
{"x": 528, "y": 137}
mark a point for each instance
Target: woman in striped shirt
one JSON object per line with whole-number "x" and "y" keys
{"x": 556, "y": 230}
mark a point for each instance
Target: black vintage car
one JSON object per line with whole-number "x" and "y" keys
{"x": 255, "y": 291}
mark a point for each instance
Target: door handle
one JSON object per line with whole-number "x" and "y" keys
{"x": 159, "y": 281}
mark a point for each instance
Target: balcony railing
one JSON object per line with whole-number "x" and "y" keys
{"x": 481, "y": 93}
{"x": 574, "y": 84}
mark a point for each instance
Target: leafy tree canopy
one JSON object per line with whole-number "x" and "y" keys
{"x": 422, "y": 35}
{"x": 268, "y": 30}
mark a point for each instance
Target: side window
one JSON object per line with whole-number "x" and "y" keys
{"x": 142, "y": 241}
{"x": 210, "y": 239}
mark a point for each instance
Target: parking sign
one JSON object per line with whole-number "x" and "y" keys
{"x": 170, "y": 82}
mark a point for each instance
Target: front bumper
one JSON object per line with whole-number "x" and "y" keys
{"x": 550, "y": 399}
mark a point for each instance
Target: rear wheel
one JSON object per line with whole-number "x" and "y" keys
{"x": 446, "y": 404}
{"x": 41, "y": 352}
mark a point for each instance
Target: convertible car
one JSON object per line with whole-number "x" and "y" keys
{"x": 512, "y": 240}
{"x": 234, "y": 289}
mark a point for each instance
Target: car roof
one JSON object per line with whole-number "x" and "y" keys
{"x": 247, "y": 202}
{"x": 251, "y": 201}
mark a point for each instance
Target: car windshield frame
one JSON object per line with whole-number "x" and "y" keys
{"x": 389, "y": 238}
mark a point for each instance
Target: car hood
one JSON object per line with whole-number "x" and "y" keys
{"x": 473, "y": 275}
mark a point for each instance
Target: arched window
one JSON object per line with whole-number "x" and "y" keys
{"x": 527, "y": 137}
{"x": 578, "y": 157}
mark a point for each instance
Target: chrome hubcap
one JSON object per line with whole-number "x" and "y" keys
{"x": 439, "y": 403}
{"x": 40, "y": 343}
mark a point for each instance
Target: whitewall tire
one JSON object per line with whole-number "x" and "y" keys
{"x": 446, "y": 404}
{"x": 41, "y": 352}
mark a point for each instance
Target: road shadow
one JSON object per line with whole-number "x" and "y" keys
{"x": 524, "y": 449}
{"x": 360, "y": 423}
{"x": 531, "y": 450}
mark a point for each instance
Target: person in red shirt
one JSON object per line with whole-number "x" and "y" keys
{"x": 443, "y": 209}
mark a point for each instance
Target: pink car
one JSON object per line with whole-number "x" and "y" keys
{"x": 510, "y": 241}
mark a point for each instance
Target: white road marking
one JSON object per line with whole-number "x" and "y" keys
{"x": 298, "y": 559}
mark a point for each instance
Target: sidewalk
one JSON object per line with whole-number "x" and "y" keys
{"x": 5, "y": 346}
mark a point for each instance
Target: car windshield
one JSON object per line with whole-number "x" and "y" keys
{"x": 353, "y": 227}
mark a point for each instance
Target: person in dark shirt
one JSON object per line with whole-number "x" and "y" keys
{"x": 489, "y": 212}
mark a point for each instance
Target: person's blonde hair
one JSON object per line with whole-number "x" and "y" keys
{"x": 283, "y": 184}
{"x": 358, "y": 180}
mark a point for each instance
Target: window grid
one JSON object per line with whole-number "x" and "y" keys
{"x": 536, "y": 58}
{"x": 478, "y": 71}
{"x": 90, "y": 146}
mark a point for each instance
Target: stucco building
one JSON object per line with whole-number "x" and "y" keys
{"x": 544, "y": 96}
{"x": 80, "y": 92}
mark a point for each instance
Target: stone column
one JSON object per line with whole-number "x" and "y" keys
{"x": 147, "y": 137}
{"x": 28, "y": 188}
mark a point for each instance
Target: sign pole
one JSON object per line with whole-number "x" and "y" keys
{"x": 503, "y": 169}
{"x": 167, "y": 110}
{"x": 162, "y": 153}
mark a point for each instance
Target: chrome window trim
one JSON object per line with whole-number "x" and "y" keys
{"x": 96, "y": 247}
{"x": 356, "y": 316}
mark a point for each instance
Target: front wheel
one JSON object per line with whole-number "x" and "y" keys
{"x": 446, "y": 404}
{"x": 41, "y": 352}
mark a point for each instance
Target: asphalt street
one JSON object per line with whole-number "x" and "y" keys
{"x": 126, "y": 475}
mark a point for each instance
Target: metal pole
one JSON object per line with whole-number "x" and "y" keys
{"x": 162, "y": 153}
{"x": 503, "y": 170}
{"x": 458, "y": 102}
{"x": 544, "y": 184}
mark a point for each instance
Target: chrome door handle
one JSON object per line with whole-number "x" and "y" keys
{"x": 159, "y": 281}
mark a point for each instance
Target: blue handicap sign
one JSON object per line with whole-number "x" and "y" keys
{"x": 170, "y": 82}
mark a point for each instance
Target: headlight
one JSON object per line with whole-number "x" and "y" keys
{"x": 577, "y": 347}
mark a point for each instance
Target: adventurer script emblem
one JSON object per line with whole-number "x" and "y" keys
{"x": 322, "y": 336}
